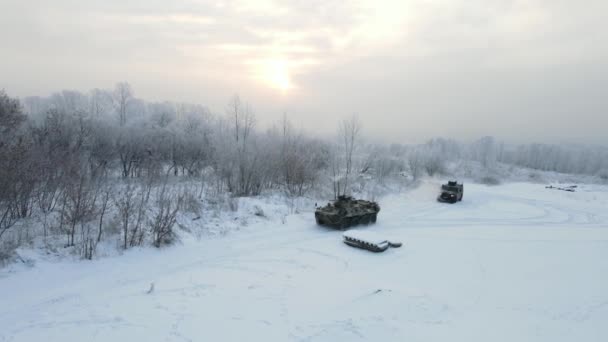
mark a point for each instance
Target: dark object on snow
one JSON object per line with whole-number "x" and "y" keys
{"x": 347, "y": 211}
{"x": 366, "y": 245}
{"x": 367, "y": 240}
{"x": 451, "y": 192}
{"x": 570, "y": 188}
{"x": 151, "y": 289}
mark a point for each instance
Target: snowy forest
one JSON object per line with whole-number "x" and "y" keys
{"x": 80, "y": 169}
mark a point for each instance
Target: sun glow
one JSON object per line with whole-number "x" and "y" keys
{"x": 275, "y": 73}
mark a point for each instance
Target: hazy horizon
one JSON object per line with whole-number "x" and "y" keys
{"x": 521, "y": 71}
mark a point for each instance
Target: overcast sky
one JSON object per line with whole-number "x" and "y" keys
{"x": 518, "y": 70}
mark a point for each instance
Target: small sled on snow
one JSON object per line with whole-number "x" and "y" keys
{"x": 571, "y": 188}
{"x": 368, "y": 240}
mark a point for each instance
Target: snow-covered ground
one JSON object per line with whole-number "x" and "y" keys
{"x": 515, "y": 262}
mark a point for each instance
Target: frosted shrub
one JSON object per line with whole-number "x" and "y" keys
{"x": 603, "y": 174}
{"x": 161, "y": 225}
{"x": 7, "y": 251}
{"x": 233, "y": 203}
{"x": 489, "y": 180}
{"x": 258, "y": 211}
{"x": 191, "y": 204}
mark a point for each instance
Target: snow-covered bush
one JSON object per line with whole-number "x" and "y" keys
{"x": 258, "y": 211}
{"x": 190, "y": 203}
{"x": 603, "y": 175}
{"x": 163, "y": 220}
{"x": 489, "y": 180}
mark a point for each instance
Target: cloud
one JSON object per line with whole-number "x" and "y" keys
{"x": 456, "y": 67}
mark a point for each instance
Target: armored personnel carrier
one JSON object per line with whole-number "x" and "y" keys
{"x": 346, "y": 212}
{"x": 451, "y": 192}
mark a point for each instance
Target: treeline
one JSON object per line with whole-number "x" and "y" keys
{"x": 119, "y": 134}
{"x": 432, "y": 157}
{"x": 92, "y": 167}
{"x": 72, "y": 158}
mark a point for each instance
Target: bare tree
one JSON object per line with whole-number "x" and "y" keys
{"x": 15, "y": 169}
{"x": 80, "y": 203}
{"x": 106, "y": 192}
{"x": 297, "y": 163}
{"x": 122, "y": 97}
{"x": 11, "y": 116}
{"x": 486, "y": 151}
{"x": 243, "y": 118}
{"x": 100, "y": 102}
{"x": 234, "y": 111}
{"x": 349, "y": 134}
{"x": 137, "y": 231}
{"x": 48, "y": 195}
{"x": 125, "y": 202}
{"x": 167, "y": 208}
{"x": 414, "y": 161}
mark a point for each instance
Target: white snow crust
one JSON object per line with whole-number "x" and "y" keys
{"x": 514, "y": 262}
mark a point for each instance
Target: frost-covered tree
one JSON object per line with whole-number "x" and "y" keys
{"x": 15, "y": 165}
{"x": 123, "y": 95}
{"x": 349, "y": 135}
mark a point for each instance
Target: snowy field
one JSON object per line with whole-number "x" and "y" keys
{"x": 515, "y": 262}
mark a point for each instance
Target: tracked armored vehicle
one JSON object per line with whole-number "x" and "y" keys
{"x": 346, "y": 212}
{"x": 451, "y": 192}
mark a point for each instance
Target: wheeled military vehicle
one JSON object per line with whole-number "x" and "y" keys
{"x": 346, "y": 212}
{"x": 451, "y": 192}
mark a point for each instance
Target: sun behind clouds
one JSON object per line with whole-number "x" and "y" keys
{"x": 276, "y": 74}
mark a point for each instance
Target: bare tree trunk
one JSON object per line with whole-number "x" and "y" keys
{"x": 104, "y": 206}
{"x": 62, "y": 216}
{"x": 5, "y": 221}
{"x": 122, "y": 97}
{"x": 124, "y": 202}
{"x": 350, "y": 135}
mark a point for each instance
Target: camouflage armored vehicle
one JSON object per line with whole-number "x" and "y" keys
{"x": 347, "y": 211}
{"x": 451, "y": 192}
